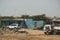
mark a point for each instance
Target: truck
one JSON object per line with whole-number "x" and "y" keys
{"x": 53, "y": 28}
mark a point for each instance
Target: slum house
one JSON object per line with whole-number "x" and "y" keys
{"x": 31, "y": 22}
{"x": 27, "y": 22}
{"x": 43, "y": 19}
{"x": 23, "y": 22}
{"x": 37, "y": 21}
{"x": 7, "y": 20}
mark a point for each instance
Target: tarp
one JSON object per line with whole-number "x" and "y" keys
{"x": 29, "y": 23}
{"x": 39, "y": 23}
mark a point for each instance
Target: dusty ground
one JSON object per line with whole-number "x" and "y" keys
{"x": 32, "y": 35}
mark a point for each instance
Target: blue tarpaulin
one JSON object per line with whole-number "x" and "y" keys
{"x": 39, "y": 23}
{"x": 29, "y": 23}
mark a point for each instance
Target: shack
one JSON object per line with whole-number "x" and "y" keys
{"x": 31, "y": 23}
{"x": 26, "y": 21}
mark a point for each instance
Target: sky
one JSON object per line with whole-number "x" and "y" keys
{"x": 29, "y": 7}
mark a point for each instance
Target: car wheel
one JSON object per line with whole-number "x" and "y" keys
{"x": 47, "y": 33}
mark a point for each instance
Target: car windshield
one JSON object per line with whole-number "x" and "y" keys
{"x": 14, "y": 24}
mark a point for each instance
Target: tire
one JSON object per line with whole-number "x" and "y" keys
{"x": 8, "y": 28}
{"x": 47, "y": 33}
{"x": 58, "y": 33}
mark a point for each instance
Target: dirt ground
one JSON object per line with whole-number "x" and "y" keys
{"x": 32, "y": 35}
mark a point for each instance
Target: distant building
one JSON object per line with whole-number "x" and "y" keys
{"x": 25, "y": 20}
{"x": 56, "y": 21}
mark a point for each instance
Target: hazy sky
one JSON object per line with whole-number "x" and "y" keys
{"x": 29, "y": 7}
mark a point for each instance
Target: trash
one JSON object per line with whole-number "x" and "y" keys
{"x": 22, "y": 31}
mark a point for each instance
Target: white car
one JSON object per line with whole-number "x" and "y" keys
{"x": 13, "y": 26}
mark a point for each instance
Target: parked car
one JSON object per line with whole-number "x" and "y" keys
{"x": 14, "y": 25}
